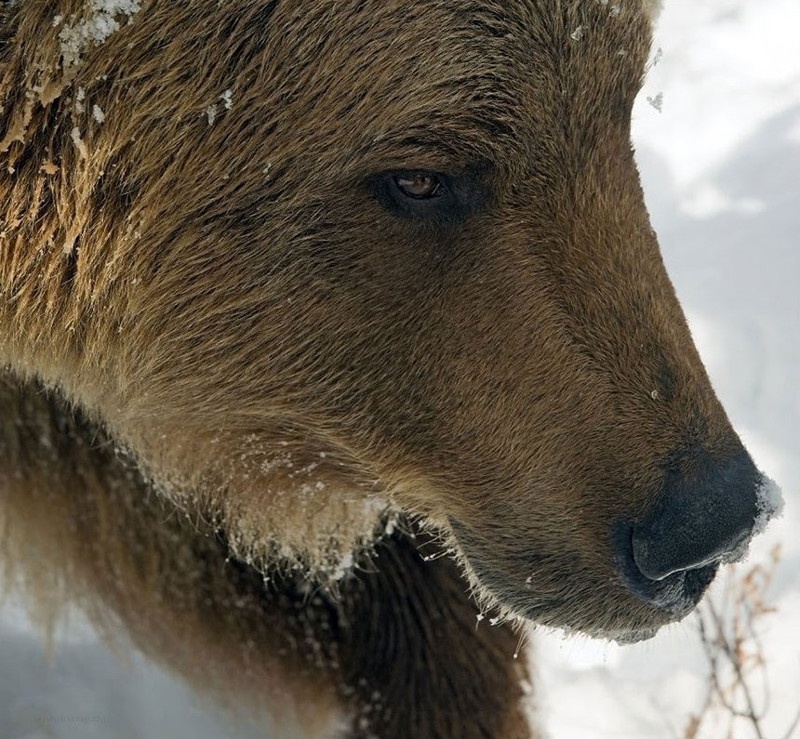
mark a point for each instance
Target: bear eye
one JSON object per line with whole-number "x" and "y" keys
{"x": 425, "y": 195}
{"x": 419, "y": 185}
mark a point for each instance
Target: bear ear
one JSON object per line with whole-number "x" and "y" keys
{"x": 653, "y": 8}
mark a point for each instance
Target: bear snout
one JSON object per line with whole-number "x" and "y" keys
{"x": 702, "y": 516}
{"x": 706, "y": 514}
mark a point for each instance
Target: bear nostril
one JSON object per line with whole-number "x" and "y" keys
{"x": 700, "y": 519}
{"x": 657, "y": 560}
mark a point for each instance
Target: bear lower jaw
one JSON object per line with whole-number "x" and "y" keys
{"x": 615, "y": 614}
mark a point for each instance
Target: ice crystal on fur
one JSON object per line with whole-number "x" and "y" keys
{"x": 102, "y": 22}
{"x": 656, "y": 101}
{"x": 79, "y": 143}
{"x": 769, "y": 505}
{"x": 769, "y": 500}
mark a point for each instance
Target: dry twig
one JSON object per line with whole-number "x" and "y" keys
{"x": 738, "y": 693}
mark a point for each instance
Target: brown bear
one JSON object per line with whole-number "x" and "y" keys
{"x": 337, "y": 346}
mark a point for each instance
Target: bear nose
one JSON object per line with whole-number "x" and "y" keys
{"x": 706, "y": 514}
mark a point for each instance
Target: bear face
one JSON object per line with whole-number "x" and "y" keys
{"x": 312, "y": 262}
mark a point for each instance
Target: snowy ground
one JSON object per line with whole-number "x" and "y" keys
{"x": 721, "y": 167}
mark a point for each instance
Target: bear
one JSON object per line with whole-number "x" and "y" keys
{"x": 337, "y": 347}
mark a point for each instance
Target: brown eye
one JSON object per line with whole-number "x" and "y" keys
{"x": 418, "y": 185}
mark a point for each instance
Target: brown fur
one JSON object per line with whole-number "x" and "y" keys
{"x": 91, "y": 532}
{"x": 202, "y": 272}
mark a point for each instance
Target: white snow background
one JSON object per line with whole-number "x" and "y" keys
{"x": 721, "y": 169}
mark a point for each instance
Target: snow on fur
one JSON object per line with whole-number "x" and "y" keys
{"x": 102, "y": 22}
{"x": 769, "y": 500}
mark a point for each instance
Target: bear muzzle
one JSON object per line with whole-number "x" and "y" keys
{"x": 706, "y": 514}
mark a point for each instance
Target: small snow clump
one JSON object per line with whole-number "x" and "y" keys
{"x": 80, "y": 96}
{"x": 657, "y": 101}
{"x": 79, "y": 143}
{"x": 769, "y": 505}
{"x": 345, "y": 565}
{"x": 769, "y": 502}
{"x": 101, "y": 23}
